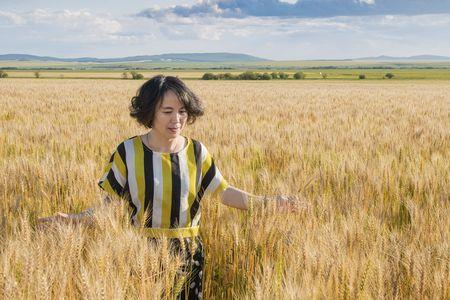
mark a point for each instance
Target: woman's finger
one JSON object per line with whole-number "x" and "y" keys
{"x": 62, "y": 215}
{"x": 42, "y": 223}
{"x": 287, "y": 203}
{"x": 45, "y": 220}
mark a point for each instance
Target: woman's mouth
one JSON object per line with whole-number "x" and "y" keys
{"x": 174, "y": 129}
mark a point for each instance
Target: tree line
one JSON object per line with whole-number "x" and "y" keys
{"x": 250, "y": 75}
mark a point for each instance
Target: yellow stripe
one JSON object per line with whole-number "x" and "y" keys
{"x": 105, "y": 184}
{"x": 107, "y": 168}
{"x": 140, "y": 180}
{"x": 120, "y": 164}
{"x": 181, "y": 232}
{"x": 220, "y": 188}
{"x": 190, "y": 156}
{"x": 167, "y": 190}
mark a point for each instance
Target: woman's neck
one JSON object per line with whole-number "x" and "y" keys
{"x": 162, "y": 144}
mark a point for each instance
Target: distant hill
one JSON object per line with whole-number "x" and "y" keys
{"x": 414, "y": 58}
{"x": 170, "y": 57}
{"x": 202, "y": 57}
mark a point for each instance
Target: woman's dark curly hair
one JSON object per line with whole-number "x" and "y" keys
{"x": 150, "y": 94}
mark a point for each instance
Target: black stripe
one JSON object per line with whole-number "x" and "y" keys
{"x": 197, "y": 150}
{"x": 176, "y": 191}
{"x": 121, "y": 151}
{"x": 114, "y": 184}
{"x": 209, "y": 176}
{"x": 149, "y": 187}
{"x": 198, "y": 162}
{"x": 204, "y": 185}
{"x": 198, "y": 159}
{"x": 126, "y": 195}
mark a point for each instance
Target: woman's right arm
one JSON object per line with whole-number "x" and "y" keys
{"x": 85, "y": 217}
{"x": 116, "y": 167}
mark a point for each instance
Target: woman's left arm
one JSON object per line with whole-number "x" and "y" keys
{"x": 240, "y": 199}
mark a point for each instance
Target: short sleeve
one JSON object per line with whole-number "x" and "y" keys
{"x": 114, "y": 179}
{"x": 213, "y": 183}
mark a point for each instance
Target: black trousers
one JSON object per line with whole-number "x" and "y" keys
{"x": 191, "y": 272}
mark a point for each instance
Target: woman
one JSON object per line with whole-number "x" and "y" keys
{"x": 163, "y": 175}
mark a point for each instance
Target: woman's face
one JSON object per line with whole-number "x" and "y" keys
{"x": 171, "y": 116}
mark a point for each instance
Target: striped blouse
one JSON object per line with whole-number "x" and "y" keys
{"x": 163, "y": 190}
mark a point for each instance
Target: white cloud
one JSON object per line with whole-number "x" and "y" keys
{"x": 241, "y": 32}
{"x": 84, "y": 33}
{"x": 74, "y": 21}
{"x": 370, "y": 2}
{"x": 300, "y": 9}
{"x": 212, "y": 34}
{"x": 10, "y": 18}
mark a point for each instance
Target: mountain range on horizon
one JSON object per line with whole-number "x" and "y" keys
{"x": 169, "y": 57}
{"x": 415, "y": 57}
{"x": 201, "y": 57}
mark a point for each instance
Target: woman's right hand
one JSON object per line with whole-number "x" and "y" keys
{"x": 60, "y": 217}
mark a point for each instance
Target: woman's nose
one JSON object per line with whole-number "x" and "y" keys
{"x": 176, "y": 117}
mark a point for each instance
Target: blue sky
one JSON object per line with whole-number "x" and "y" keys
{"x": 281, "y": 30}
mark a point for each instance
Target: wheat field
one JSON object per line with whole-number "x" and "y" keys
{"x": 369, "y": 162}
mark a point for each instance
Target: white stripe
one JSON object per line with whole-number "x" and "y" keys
{"x": 197, "y": 217}
{"x": 120, "y": 179}
{"x": 204, "y": 152}
{"x": 130, "y": 158}
{"x": 184, "y": 175}
{"x": 157, "y": 190}
{"x": 104, "y": 176}
{"x": 215, "y": 182}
